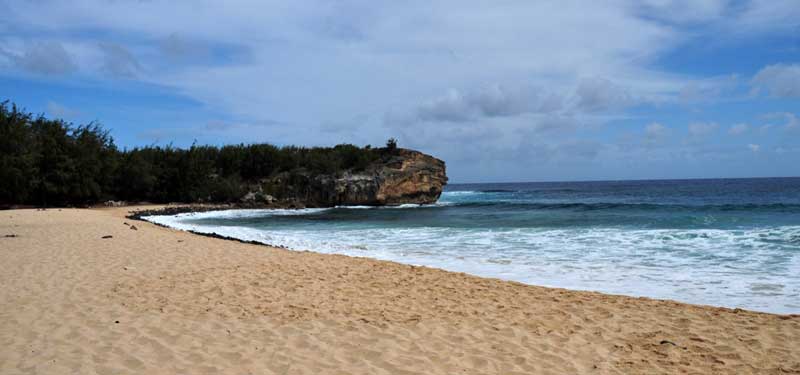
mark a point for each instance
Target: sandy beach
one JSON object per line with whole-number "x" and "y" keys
{"x": 160, "y": 301}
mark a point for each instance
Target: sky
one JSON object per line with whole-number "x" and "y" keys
{"x": 501, "y": 90}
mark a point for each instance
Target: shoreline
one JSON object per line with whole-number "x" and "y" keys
{"x": 171, "y": 302}
{"x": 717, "y": 295}
{"x": 169, "y": 211}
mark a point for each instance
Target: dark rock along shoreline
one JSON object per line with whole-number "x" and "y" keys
{"x": 169, "y": 211}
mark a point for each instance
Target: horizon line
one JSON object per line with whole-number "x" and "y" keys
{"x": 625, "y": 180}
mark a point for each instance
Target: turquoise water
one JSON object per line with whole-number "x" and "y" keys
{"x": 730, "y": 242}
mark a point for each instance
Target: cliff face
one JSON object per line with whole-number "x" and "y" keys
{"x": 404, "y": 176}
{"x": 407, "y": 177}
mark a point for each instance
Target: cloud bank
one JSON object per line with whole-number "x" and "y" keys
{"x": 472, "y": 82}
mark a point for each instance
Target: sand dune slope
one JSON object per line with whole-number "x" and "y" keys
{"x": 159, "y": 301}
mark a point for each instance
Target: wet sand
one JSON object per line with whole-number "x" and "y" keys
{"x": 159, "y": 301}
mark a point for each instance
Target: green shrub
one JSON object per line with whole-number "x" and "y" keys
{"x": 51, "y": 162}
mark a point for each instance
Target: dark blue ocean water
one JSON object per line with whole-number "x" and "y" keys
{"x": 662, "y": 204}
{"x": 727, "y": 242}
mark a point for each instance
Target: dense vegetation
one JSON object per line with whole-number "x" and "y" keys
{"x": 51, "y": 162}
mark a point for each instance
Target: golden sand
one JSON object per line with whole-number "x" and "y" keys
{"x": 160, "y": 301}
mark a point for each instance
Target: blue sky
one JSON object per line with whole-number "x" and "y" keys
{"x": 502, "y": 91}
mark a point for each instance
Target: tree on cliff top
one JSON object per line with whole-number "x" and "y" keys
{"x": 391, "y": 144}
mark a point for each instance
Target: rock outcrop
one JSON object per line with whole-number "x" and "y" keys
{"x": 400, "y": 177}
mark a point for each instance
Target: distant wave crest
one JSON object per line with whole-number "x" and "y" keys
{"x": 599, "y": 206}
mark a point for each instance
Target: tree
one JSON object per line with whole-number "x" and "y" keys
{"x": 51, "y": 162}
{"x": 391, "y": 144}
{"x": 16, "y": 155}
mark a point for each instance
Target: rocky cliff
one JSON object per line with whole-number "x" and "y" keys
{"x": 399, "y": 177}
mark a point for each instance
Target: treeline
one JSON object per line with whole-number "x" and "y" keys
{"x": 51, "y": 162}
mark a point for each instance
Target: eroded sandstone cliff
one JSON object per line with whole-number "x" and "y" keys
{"x": 399, "y": 177}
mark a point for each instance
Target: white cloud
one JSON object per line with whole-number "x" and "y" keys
{"x": 754, "y": 147}
{"x": 118, "y": 61}
{"x": 792, "y": 122}
{"x": 600, "y": 94}
{"x": 47, "y": 58}
{"x": 701, "y": 129}
{"x": 179, "y": 49}
{"x": 685, "y": 10}
{"x": 58, "y": 110}
{"x": 786, "y": 150}
{"x": 706, "y": 90}
{"x": 493, "y": 101}
{"x": 739, "y": 129}
{"x": 780, "y": 80}
{"x": 740, "y": 18}
{"x": 369, "y": 53}
{"x": 764, "y": 129}
{"x": 789, "y": 120}
{"x": 769, "y": 15}
{"x": 655, "y": 132}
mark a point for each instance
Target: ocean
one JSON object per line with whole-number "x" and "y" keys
{"x": 722, "y": 242}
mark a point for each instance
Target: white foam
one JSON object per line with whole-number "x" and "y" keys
{"x": 718, "y": 267}
{"x": 459, "y": 193}
{"x": 401, "y": 206}
{"x": 235, "y": 214}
